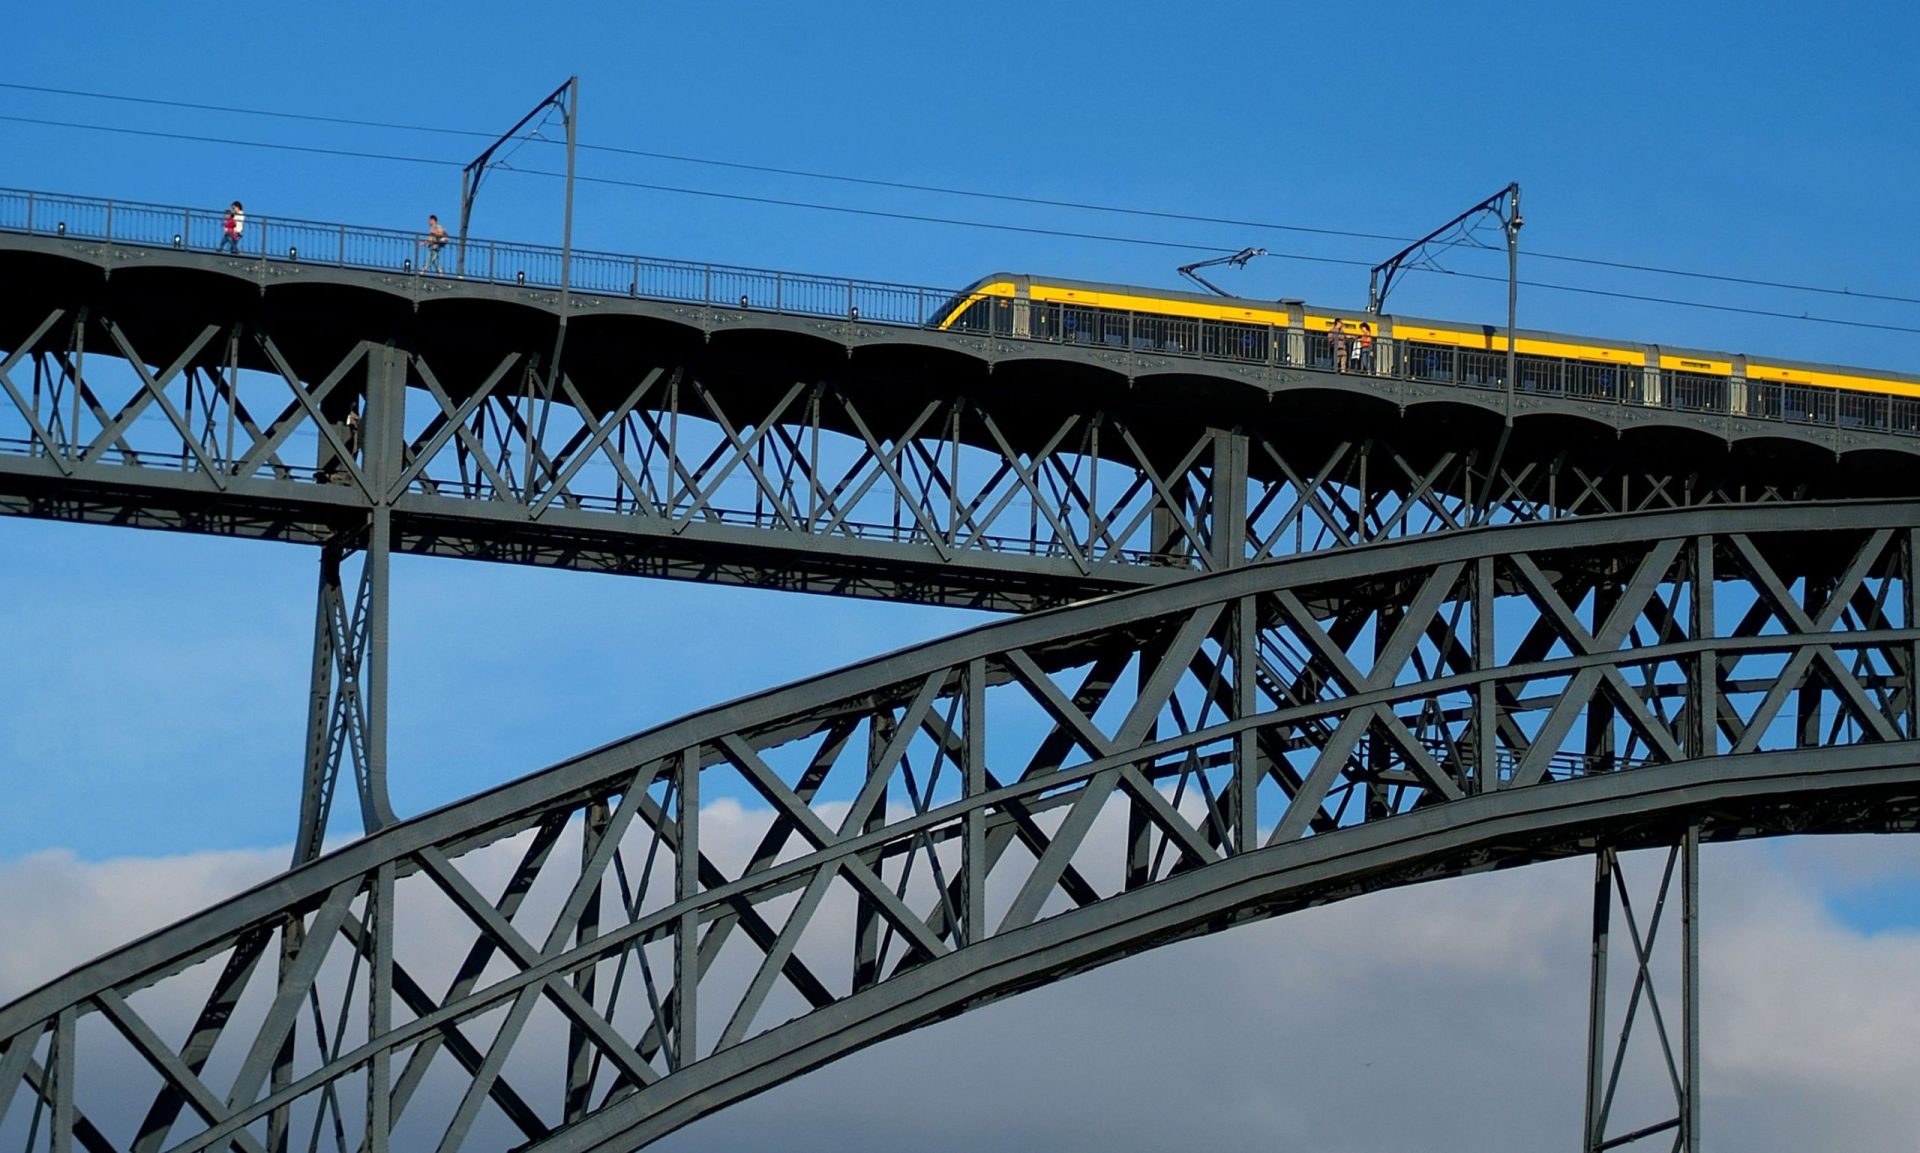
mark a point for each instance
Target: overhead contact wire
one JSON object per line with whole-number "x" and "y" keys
{"x": 1010, "y": 198}
{"x": 921, "y": 218}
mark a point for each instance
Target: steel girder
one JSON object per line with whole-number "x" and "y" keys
{"x": 149, "y": 388}
{"x": 594, "y": 955}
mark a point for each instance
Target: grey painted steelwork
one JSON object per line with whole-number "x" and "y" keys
{"x": 957, "y": 822}
{"x": 188, "y": 391}
{"x": 1686, "y": 384}
{"x": 1605, "y": 1067}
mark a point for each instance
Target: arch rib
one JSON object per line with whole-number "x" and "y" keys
{"x": 953, "y": 823}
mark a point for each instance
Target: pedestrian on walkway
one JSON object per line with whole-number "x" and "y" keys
{"x": 433, "y": 242}
{"x": 231, "y": 229}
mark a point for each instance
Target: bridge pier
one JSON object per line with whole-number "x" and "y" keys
{"x": 347, "y": 703}
{"x": 1604, "y": 1068}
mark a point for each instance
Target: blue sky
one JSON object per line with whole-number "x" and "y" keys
{"x": 1757, "y": 141}
{"x": 152, "y": 699}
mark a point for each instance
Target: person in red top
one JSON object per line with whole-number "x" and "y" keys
{"x": 231, "y": 228}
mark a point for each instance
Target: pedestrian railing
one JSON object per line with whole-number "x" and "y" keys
{"x": 274, "y": 239}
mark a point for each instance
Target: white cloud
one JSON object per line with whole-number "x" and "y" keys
{"x": 1445, "y": 1015}
{"x": 61, "y": 911}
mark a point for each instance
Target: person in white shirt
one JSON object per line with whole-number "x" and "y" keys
{"x": 232, "y": 227}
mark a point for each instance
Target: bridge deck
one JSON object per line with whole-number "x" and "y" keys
{"x": 769, "y": 428}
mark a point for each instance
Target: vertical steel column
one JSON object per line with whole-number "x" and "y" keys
{"x": 580, "y": 1047}
{"x": 62, "y": 1059}
{"x": 1486, "y": 699}
{"x": 376, "y": 812}
{"x": 1808, "y": 711}
{"x": 1226, "y": 530}
{"x": 1597, "y": 1001}
{"x": 1910, "y": 603}
{"x": 293, "y": 935}
{"x": 1705, "y": 729}
{"x": 1690, "y": 990}
{"x": 973, "y": 862}
{"x": 383, "y": 434}
{"x": 866, "y": 930}
{"x": 347, "y": 703}
{"x": 686, "y": 934}
{"x": 1250, "y": 768}
{"x": 1600, "y": 750}
{"x": 380, "y": 1012}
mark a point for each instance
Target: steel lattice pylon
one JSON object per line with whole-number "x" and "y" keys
{"x": 953, "y": 823}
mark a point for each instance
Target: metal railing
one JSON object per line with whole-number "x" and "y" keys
{"x": 275, "y": 239}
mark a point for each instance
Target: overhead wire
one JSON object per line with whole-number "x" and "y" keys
{"x": 957, "y": 222}
{"x": 1010, "y": 198}
{"x": 198, "y": 139}
{"x": 642, "y": 185}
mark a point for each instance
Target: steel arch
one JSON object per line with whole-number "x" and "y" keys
{"x": 955, "y": 822}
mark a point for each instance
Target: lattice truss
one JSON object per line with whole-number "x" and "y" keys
{"x": 228, "y": 410}
{"x": 605, "y": 950}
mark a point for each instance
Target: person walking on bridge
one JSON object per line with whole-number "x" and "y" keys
{"x": 433, "y": 242}
{"x": 231, "y": 228}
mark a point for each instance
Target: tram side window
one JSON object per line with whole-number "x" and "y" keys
{"x": 1079, "y": 325}
{"x": 1597, "y": 379}
{"x": 1538, "y": 374}
{"x": 1430, "y": 362}
{"x": 1230, "y": 341}
{"x": 1694, "y": 392}
{"x": 1903, "y": 414}
{"x": 974, "y": 317}
{"x": 1043, "y": 321}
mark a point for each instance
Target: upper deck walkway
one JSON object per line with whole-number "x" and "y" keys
{"x": 281, "y": 241}
{"x": 805, "y": 432}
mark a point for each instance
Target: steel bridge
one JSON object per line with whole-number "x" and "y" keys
{"x": 1369, "y": 630}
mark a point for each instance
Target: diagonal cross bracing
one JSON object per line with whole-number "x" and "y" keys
{"x": 1015, "y": 826}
